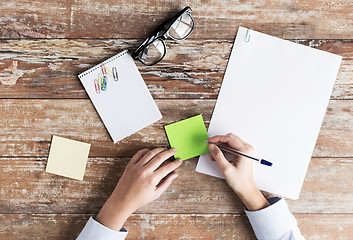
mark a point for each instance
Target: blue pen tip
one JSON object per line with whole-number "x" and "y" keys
{"x": 267, "y": 163}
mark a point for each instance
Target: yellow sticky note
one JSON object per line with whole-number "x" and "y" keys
{"x": 68, "y": 157}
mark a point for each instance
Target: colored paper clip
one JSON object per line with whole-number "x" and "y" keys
{"x": 104, "y": 70}
{"x": 104, "y": 83}
{"x": 248, "y": 35}
{"x": 96, "y": 86}
{"x": 115, "y": 74}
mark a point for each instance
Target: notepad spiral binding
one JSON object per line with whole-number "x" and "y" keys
{"x": 103, "y": 63}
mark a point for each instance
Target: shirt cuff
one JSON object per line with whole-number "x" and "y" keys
{"x": 273, "y": 222}
{"x": 96, "y": 231}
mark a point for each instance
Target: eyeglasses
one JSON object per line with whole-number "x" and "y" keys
{"x": 153, "y": 49}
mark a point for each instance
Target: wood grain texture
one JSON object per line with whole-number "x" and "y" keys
{"x": 29, "y": 124}
{"x": 27, "y": 188}
{"x": 44, "y": 45}
{"x": 214, "y": 19}
{"x": 191, "y": 68}
{"x": 169, "y": 226}
{"x": 140, "y": 226}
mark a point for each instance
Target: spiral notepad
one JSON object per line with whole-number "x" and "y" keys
{"x": 120, "y": 96}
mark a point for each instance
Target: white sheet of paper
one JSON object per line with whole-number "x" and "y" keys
{"x": 274, "y": 96}
{"x": 126, "y": 105}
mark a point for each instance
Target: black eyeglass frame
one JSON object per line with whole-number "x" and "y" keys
{"x": 162, "y": 33}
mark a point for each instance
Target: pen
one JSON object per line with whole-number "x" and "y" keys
{"x": 262, "y": 161}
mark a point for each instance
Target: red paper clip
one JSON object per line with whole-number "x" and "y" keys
{"x": 104, "y": 70}
{"x": 96, "y": 85}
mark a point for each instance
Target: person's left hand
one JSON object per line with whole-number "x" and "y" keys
{"x": 142, "y": 182}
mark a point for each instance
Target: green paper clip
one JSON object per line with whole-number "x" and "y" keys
{"x": 247, "y": 37}
{"x": 104, "y": 83}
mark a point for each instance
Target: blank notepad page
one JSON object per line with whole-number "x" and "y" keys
{"x": 120, "y": 96}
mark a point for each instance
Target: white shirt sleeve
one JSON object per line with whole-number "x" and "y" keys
{"x": 96, "y": 231}
{"x": 275, "y": 222}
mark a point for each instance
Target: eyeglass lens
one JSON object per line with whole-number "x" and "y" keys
{"x": 153, "y": 52}
{"x": 181, "y": 27}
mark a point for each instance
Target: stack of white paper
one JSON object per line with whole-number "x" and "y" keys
{"x": 274, "y": 96}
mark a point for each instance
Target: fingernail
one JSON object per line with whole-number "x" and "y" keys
{"x": 180, "y": 160}
{"x": 174, "y": 150}
{"x": 211, "y": 147}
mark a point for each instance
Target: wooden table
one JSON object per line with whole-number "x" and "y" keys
{"x": 45, "y": 44}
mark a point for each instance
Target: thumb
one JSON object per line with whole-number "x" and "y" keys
{"x": 219, "y": 157}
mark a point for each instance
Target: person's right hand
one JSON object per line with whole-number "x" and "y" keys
{"x": 238, "y": 171}
{"x": 143, "y": 181}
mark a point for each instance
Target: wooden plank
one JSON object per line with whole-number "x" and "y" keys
{"x": 140, "y": 226}
{"x": 169, "y": 226}
{"x": 28, "y": 126}
{"x": 136, "y": 19}
{"x": 27, "y": 188}
{"x": 191, "y": 69}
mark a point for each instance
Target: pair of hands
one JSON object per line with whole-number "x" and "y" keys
{"x": 145, "y": 179}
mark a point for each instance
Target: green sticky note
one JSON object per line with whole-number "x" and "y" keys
{"x": 188, "y": 137}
